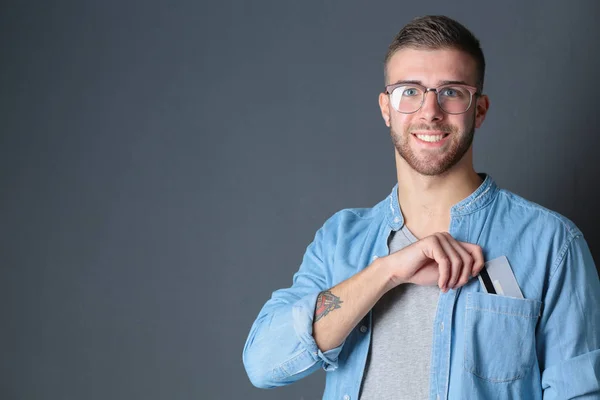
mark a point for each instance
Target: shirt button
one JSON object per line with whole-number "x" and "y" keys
{"x": 441, "y": 329}
{"x": 346, "y": 397}
{"x": 375, "y": 258}
{"x": 363, "y": 329}
{"x": 397, "y": 219}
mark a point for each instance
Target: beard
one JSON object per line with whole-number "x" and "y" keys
{"x": 434, "y": 161}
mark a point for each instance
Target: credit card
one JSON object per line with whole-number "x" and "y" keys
{"x": 500, "y": 279}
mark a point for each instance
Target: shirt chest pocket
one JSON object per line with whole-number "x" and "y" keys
{"x": 499, "y": 340}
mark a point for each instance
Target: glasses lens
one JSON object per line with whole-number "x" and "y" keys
{"x": 407, "y": 99}
{"x": 454, "y": 99}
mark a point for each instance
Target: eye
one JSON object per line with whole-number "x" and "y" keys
{"x": 409, "y": 92}
{"x": 450, "y": 92}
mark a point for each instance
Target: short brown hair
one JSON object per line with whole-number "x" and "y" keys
{"x": 438, "y": 32}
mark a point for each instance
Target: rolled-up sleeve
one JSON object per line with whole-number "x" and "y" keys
{"x": 568, "y": 334}
{"x": 303, "y": 314}
{"x": 280, "y": 348}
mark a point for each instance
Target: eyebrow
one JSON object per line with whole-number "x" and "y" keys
{"x": 440, "y": 83}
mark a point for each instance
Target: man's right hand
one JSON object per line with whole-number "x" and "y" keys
{"x": 438, "y": 259}
{"x": 435, "y": 260}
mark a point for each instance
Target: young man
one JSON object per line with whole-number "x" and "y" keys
{"x": 387, "y": 300}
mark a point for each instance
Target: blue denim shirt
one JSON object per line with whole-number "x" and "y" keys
{"x": 484, "y": 346}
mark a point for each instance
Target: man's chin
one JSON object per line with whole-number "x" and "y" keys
{"x": 429, "y": 169}
{"x": 431, "y": 172}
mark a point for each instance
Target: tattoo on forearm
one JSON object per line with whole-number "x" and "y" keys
{"x": 326, "y": 303}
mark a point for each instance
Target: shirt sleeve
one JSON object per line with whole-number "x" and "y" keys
{"x": 280, "y": 348}
{"x": 568, "y": 334}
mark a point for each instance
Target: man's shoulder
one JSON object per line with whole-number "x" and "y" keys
{"x": 532, "y": 212}
{"x": 351, "y": 219}
{"x": 359, "y": 214}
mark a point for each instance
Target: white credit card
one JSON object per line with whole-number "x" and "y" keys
{"x": 501, "y": 277}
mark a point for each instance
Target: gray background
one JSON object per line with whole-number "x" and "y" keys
{"x": 165, "y": 164}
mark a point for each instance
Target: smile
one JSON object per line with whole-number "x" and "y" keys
{"x": 431, "y": 138}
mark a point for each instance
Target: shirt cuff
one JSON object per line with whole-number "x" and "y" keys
{"x": 303, "y": 313}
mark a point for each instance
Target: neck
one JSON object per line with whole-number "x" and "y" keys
{"x": 426, "y": 201}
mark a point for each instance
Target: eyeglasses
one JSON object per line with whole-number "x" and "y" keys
{"x": 408, "y": 98}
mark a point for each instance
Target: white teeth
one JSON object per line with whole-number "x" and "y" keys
{"x": 430, "y": 138}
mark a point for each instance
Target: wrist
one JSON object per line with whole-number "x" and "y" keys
{"x": 385, "y": 271}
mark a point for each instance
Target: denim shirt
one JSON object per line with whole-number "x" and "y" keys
{"x": 545, "y": 346}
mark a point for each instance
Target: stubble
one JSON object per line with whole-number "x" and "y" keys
{"x": 433, "y": 162}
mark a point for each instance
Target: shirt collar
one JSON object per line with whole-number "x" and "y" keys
{"x": 481, "y": 197}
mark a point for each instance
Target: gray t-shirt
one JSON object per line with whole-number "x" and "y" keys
{"x": 400, "y": 353}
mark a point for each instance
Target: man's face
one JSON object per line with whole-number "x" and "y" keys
{"x": 432, "y": 68}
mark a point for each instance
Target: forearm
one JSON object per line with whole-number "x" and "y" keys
{"x": 340, "y": 308}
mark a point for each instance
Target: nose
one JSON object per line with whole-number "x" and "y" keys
{"x": 430, "y": 110}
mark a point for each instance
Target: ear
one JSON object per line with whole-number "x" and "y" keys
{"x": 384, "y": 106}
{"x": 481, "y": 108}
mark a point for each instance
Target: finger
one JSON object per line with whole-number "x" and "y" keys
{"x": 458, "y": 256}
{"x": 437, "y": 253}
{"x": 477, "y": 253}
{"x": 455, "y": 262}
{"x": 468, "y": 263}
